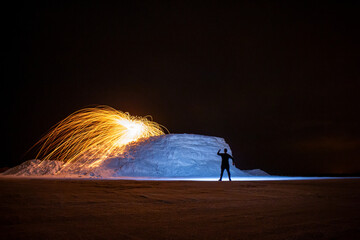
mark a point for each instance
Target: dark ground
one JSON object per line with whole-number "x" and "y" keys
{"x": 110, "y": 209}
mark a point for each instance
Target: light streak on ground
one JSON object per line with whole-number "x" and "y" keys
{"x": 95, "y": 134}
{"x": 210, "y": 179}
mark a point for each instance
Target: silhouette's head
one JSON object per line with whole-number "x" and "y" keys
{"x": 225, "y": 150}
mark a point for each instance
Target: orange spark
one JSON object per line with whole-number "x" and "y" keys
{"x": 95, "y": 134}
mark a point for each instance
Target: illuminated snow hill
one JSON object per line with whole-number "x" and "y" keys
{"x": 166, "y": 156}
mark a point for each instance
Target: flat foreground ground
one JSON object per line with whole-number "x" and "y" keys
{"x": 120, "y": 209}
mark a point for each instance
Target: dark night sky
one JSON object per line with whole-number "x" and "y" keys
{"x": 279, "y": 81}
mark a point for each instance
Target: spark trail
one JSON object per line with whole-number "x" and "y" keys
{"x": 95, "y": 134}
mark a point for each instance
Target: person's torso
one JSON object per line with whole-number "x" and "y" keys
{"x": 224, "y": 159}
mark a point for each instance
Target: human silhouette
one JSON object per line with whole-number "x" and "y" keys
{"x": 225, "y": 163}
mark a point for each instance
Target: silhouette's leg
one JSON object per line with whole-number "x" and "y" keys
{"x": 228, "y": 171}
{"x": 221, "y": 174}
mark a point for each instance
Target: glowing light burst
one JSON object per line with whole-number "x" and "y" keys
{"x": 95, "y": 134}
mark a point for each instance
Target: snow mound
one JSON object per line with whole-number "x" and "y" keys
{"x": 256, "y": 172}
{"x": 35, "y": 167}
{"x": 166, "y": 156}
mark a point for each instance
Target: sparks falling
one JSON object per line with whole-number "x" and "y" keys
{"x": 95, "y": 134}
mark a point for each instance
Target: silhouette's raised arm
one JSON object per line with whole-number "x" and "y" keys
{"x": 218, "y": 152}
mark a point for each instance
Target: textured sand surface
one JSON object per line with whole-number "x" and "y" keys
{"x": 120, "y": 209}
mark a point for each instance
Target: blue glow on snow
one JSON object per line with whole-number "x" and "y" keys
{"x": 209, "y": 179}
